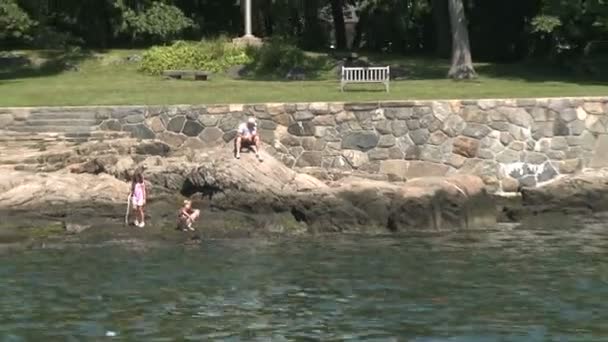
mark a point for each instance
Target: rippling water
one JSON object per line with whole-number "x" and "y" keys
{"x": 514, "y": 285}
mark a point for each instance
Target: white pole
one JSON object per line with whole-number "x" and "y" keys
{"x": 248, "y": 18}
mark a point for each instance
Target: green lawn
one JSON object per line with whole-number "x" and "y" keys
{"x": 102, "y": 80}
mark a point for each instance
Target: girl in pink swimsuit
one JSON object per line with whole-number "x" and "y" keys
{"x": 138, "y": 199}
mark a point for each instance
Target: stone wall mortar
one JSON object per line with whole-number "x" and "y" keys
{"x": 508, "y": 142}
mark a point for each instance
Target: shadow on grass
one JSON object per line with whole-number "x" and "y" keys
{"x": 41, "y": 64}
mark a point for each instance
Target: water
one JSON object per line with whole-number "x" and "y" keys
{"x": 514, "y": 285}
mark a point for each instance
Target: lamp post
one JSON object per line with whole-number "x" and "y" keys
{"x": 248, "y": 38}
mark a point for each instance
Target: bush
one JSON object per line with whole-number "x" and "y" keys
{"x": 277, "y": 57}
{"x": 213, "y": 55}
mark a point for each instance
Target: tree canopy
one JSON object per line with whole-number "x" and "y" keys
{"x": 498, "y": 30}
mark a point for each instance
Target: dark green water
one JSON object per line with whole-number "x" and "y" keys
{"x": 515, "y": 285}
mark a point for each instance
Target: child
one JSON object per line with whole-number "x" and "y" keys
{"x": 187, "y": 216}
{"x": 138, "y": 198}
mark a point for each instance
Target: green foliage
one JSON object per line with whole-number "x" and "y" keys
{"x": 210, "y": 55}
{"x": 278, "y": 56}
{"x": 14, "y": 22}
{"x": 160, "y": 21}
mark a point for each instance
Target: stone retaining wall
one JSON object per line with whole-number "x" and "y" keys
{"x": 507, "y": 142}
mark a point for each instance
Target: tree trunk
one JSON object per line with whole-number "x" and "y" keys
{"x": 337, "y": 11}
{"x": 462, "y": 63}
{"x": 441, "y": 18}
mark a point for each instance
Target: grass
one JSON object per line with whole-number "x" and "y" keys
{"x": 104, "y": 79}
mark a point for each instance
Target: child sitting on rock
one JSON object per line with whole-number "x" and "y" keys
{"x": 187, "y": 216}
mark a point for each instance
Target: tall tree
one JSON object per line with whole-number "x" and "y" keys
{"x": 337, "y": 12}
{"x": 462, "y": 62}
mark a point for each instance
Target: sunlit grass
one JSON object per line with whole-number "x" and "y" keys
{"x": 104, "y": 79}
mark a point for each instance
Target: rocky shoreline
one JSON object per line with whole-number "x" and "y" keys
{"x": 82, "y": 189}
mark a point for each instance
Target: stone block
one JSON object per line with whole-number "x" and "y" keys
{"x": 362, "y": 141}
{"x": 525, "y": 102}
{"x": 420, "y": 136}
{"x": 395, "y": 153}
{"x": 509, "y": 184}
{"x": 587, "y": 141}
{"x": 336, "y": 107}
{"x": 543, "y": 130}
{"x": 431, "y": 154}
{"x": 267, "y": 125}
{"x": 508, "y": 156}
{"x": 111, "y": 125}
{"x": 548, "y": 172}
{"x": 303, "y": 116}
{"x": 539, "y": 114}
{"x": 558, "y": 105}
{"x": 517, "y": 146}
{"x": 266, "y": 135}
{"x": 568, "y": 114}
{"x": 228, "y": 123}
{"x": 576, "y": 127}
{"x": 486, "y": 104}
{"x": 521, "y": 118}
{"x": 339, "y": 163}
{"x": 453, "y": 125}
{"x": 156, "y": 124}
{"x": 520, "y": 133}
{"x": 593, "y": 108}
{"x": 324, "y": 120}
{"x": 211, "y": 135}
{"x": 384, "y": 127}
{"x": 506, "y": 138}
{"x": 570, "y": 166}
{"x": 345, "y": 117}
{"x": 5, "y": 120}
{"x": 485, "y": 154}
{"x": 361, "y": 106}
{"x": 220, "y": 109}
{"x": 355, "y": 158}
{"x": 192, "y": 128}
{"x": 466, "y": 147}
{"x": 456, "y": 160}
{"x": 474, "y": 114}
{"x": 441, "y": 110}
{"x": 172, "y": 139}
{"x": 559, "y": 143}
{"x": 290, "y": 140}
{"x": 397, "y": 168}
{"x": 399, "y": 128}
{"x": 417, "y": 169}
{"x": 412, "y": 153}
{"x": 438, "y": 138}
{"x": 176, "y": 124}
{"x": 302, "y": 128}
{"x": 313, "y": 144}
{"x": 475, "y": 130}
{"x": 556, "y": 155}
{"x": 500, "y": 126}
{"x": 413, "y": 124}
{"x": 421, "y": 111}
{"x": 296, "y": 151}
{"x": 139, "y": 131}
{"x": 283, "y": 119}
{"x": 229, "y": 136}
{"x": 309, "y": 158}
{"x": 378, "y": 154}
{"x": 535, "y": 158}
{"x": 404, "y": 113}
{"x": 209, "y": 120}
{"x": 386, "y": 141}
{"x": 594, "y": 124}
{"x": 600, "y": 152}
{"x": 319, "y": 108}
{"x": 581, "y": 114}
{"x": 560, "y": 127}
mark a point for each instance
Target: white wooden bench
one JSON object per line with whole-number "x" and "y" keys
{"x": 366, "y": 75}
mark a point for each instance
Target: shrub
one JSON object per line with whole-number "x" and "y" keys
{"x": 278, "y": 56}
{"x": 212, "y": 55}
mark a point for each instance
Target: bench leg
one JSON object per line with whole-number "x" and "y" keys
{"x": 387, "y": 86}
{"x": 342, "y": 86}
{"x": 200, "y": 78}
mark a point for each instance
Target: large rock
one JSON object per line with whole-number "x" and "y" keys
{"x": 583, "y": 192}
